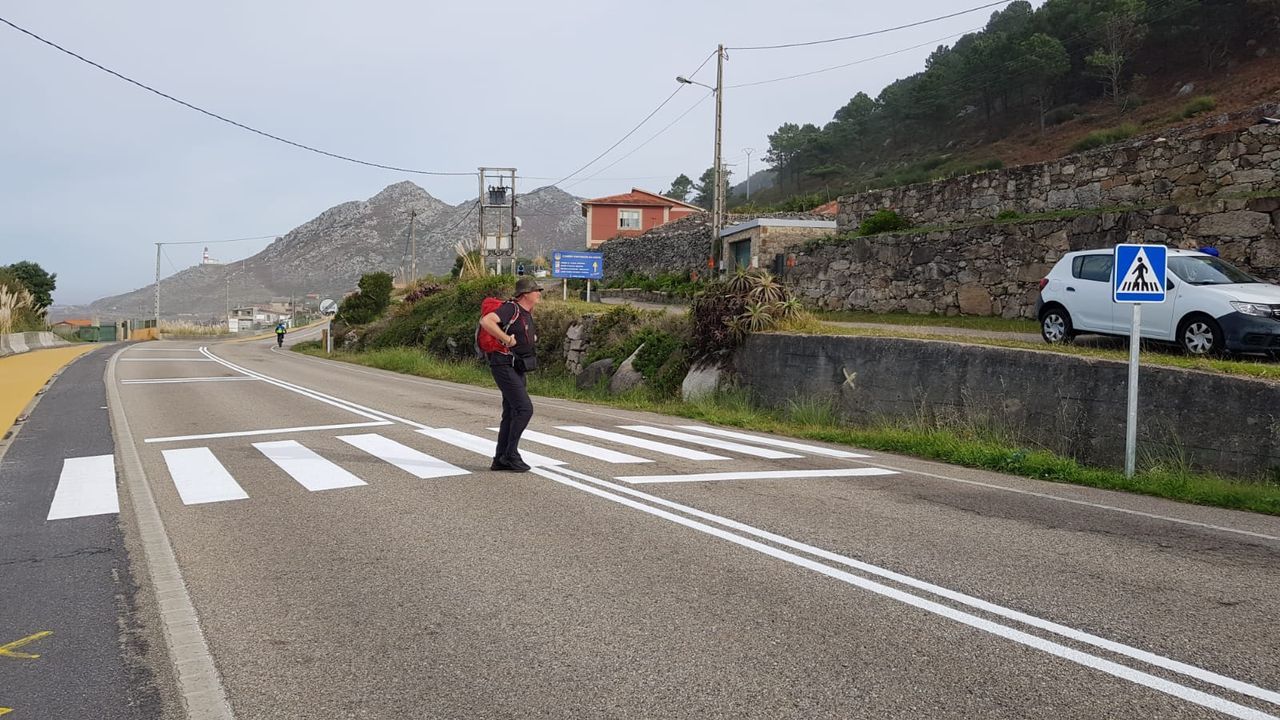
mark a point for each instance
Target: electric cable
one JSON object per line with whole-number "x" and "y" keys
{"x": 873, "y": 32}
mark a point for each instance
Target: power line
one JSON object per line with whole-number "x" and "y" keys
{"x": 222, "y": 118}
{"x": 850, "y": 64}
{"x": 215, "y": 242}
{"x": 639, "y": 125}
{"x": 637, "y": 148}
{"x": 873, "y": 32}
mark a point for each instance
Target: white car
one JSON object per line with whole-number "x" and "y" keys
{"x": 1211, "y": 306}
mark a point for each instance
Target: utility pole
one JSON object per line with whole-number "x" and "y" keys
{"x": 717, "y": 218}
{"x": 748, "y": 151}
{"x": 413, "y": 242}
{"x": 158, "y": 246}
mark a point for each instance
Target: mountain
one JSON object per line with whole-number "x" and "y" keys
{"x": 329, "y": 253}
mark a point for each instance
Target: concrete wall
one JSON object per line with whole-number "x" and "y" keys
{"x": 1074, "y": 406}
{"x": 1180, "y": 166}
{"x": 994, "y": 269}
{"x": 15, "y": 343}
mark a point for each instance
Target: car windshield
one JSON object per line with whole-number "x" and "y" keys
{"x": 1207, "y": 270}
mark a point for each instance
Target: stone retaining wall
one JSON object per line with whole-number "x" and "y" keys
{"x": 1072, "y": 405}
{"x": 995, "y": 269}
{"x": 15, "y": 343}
{"x": 1183, "y": 165}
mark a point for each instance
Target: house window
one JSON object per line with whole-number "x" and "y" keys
{"x": 628, "y": 219}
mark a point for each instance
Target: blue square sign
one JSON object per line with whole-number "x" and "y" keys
{"x": 1140, "y": 272}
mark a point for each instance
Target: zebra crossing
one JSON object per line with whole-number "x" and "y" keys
{"x": 88, "y": 485}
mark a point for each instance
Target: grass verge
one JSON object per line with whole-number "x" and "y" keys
{"x": 974, "y": 322}
{"x": 814, "y": 420}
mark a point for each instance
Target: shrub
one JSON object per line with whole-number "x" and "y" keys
{"x": 1198, "y": 105}
{"x": 882, "y": 221}
{"x": 367, "y": 304}
{"x": 443, "y": 322}
{"x": 1110, "y": 136}
{"x": 1008, "y": 215}
{"x": 1062, "y": 114}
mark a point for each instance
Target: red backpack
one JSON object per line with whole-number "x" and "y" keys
{"x": 486, "y": 343}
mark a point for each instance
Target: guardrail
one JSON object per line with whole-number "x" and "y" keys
{"x": 15, "y": 343}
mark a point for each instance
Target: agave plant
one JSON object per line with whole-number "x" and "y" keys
{"x": 789, "y": 309}
{"x": 758, "y": 317}
{"x": 767, "y": 290}
{"x": 741, "y": 282}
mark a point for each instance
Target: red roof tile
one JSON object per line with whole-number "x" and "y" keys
{"x": 640, "y": 197}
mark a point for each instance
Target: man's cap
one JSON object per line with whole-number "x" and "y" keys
{"x": 527, "y": 285}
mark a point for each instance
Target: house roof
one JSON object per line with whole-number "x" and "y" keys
{"x": 75, "y": 322}
{"x": 778, "y": 222}
{"x": 640, "y": 197}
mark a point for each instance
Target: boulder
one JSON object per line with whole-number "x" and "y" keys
{"x": 703, "y": 380}
{"x": 595, "y": 373}
{"x": 974, "y": 300}
{"x": 627, "y": 376}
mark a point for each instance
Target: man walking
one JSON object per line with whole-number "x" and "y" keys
{"x": 512, "y": 326}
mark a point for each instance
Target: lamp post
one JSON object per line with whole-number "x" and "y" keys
{"x": 717, "y": 174}
{"x": 748, "y": 151}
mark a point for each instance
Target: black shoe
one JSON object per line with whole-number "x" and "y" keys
{"x": 499, "y": 464}
{"x": 517, "y": 465}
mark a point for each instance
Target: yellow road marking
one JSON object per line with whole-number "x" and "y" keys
{"x": 5, "y": 711}
{"x": 22, "y": 376}
{"x": 11, "y": 650}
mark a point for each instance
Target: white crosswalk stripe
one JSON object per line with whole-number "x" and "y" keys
{"x": 86, "y": 486}
{"x": 484, "y": 446}
{"x": 580, "y": 448}
{"x": 309, "y": 469}
{"x": 775, "y": 442}
{"x": 643, "y": 443}
{"x": 711, "y": 442}
{"x": 200, "y": 478}
{"x": 414, "y": 462}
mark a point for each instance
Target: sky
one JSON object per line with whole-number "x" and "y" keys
{"x": 95, "y": 171}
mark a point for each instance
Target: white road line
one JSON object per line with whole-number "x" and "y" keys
{"x": 1056, "y": 649}
{"x": 309, "y": 469}
{"x": 141, "y": 349}
{"x": 775, "y": 442}
{"x": 483, "y": 446}
{"x": 958, "y": 597}
{"x": 270, "y": 431}
{"x": 162, "y": 381}
{"x": 87, "y": 486}
{"x": 580, "y": 448}
{"x": 418, "y": 464}
{"x": 758, "y": 475}
{"x": 642, "y": 443}
{"x": 710, "y": 442}
{"x": 200, "y": 478}
{"x": 168, "y": 360}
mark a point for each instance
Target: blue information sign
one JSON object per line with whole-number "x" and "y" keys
{"x": 577, "y": 265}
{"x": 1140, "y": 272}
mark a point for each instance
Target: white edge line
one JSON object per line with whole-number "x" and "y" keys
{"x": 570, "y": 405}
{"x": 161, "y": 381}
{"x": 1048, "y": 646}
{"x": 833, "y": 473}
{"x": 969, "y": 600}
{"x": 271, "y": 431}
{"x": 198, "y": 680}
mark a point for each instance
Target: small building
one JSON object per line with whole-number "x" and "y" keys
{"x": 630, "y": 214}
{"x": 760, "y": 242}
{"x": 253, "y": 318}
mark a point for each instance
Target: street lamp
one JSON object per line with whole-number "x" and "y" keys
{"x": 748, "y": 151}
{"x": 717, "y": 176}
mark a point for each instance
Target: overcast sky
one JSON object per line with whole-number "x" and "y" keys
{"x": 96, "y": 170}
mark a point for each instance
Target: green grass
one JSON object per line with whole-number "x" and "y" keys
{"x": 1153, "y": 353}
{"x": 974, "y": 322}
{"x": 1109, "y": 136}
{"x": 816, "y": 419}
{"x": 1199, "y": 105}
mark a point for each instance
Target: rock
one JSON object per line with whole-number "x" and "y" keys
{"x": 703, "y": 380}
{"x": 1238, "y": 223}
{"x": 1186, "y": 90}
{"x": 595, "y": 373}
{"x": 627, "y": 376}
{"x": 974, "y": 300}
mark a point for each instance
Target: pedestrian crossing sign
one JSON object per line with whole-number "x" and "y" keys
{"x": 1140, "y": 272}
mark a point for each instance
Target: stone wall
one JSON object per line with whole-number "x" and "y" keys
{"x": 1189, "y": 164}
{"x": 1072, "y": 405}
{"x": 995, "y": 268}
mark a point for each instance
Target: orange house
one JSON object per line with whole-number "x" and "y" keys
{"x": 630, "y": 214}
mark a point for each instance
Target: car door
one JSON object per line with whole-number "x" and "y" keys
{"x": 1158, "y": 319}
{"x": 1089, "y": 293}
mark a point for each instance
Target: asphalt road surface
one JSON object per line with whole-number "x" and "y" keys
{"x": 326, "y": 541}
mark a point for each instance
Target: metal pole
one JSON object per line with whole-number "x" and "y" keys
{"x": 588, "y": 289}
{"x": 1131, "y": 432}
{"x": 413, "y": 242}
{"x": 564, "y": 285}
{"x": 748, "y": 151}
{"x": 157, "y": 332}
{"x": 717, "y": 204}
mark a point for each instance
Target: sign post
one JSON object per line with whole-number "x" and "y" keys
{"x": 1139, "y": 277}
{"x": 568, "y": 264}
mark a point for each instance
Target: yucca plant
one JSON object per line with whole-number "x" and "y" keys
{"x": 741, "y": 282}
{"x": 766, "y": 289}
{"x": 789, "y": 309}
{"x": 758, "y": 317}
{"x": 737, "y": 326}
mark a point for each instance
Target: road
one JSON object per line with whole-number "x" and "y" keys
{"x": 326, "y": 540}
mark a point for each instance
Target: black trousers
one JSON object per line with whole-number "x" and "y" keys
{"x": 517, "y": 409}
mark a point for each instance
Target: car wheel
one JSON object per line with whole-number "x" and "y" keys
{"x": 1201, "y": 335}
{"x": 1055, "y": 326}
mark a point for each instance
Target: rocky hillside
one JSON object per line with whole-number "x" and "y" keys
{"x": 328, "y": 254}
